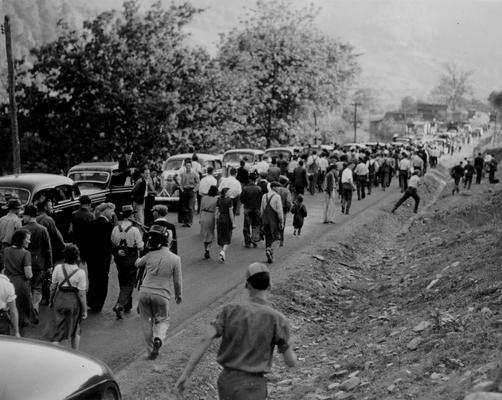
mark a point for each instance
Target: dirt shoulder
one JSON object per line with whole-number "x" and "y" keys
{"x": 396, "y": 306}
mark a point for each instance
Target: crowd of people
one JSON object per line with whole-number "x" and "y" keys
{"x": 39, "y": 266}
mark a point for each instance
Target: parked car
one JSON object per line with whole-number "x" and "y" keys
{"x": 35, "y": 370}
{"x": 287, "y": 152}
{"x": 102, "y": 182}
{"x": 170, "y": 193}
{"x": 232, "y": 158}
{"x": 33, "y": 188}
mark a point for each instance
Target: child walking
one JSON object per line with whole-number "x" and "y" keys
{"x": 299, "y": 212}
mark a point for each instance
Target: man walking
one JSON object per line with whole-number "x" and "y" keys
{"x": 80, "y": 220}
{"x": 273, "y": 220}
{"x": 9, "y": 223}
{"x": 251, "y": 200}
{"x": 41, "y": 255}
{"x": 347, "y": 188}
{"x": 329, "y": 209}
{"x": 299, "y": 179}
{"x": 281, "y": 188}
{"x": 411, "y": 191}
{"x": 469, "y": 173}
{"x": 404, "y": 167}
{"x": 361, "y": 173}
{"x": 457, "y": 173}
{"x": 127, "y": 243}
{"x": 44, "y": 219}
{"x": 234, "y": 189}
{"x": 249, "y": 333}
{"x": 138, "y": 194}
{"x": 160, "y": 212}
{"x": 189, "y": 184}
{"x": 9, "y": 317}
{"x": 479, "y": 164}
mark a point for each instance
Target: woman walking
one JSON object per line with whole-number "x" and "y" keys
{"x": 207, "y": 218}
{"x": 161, "y": 269}
{"x": 17, "y": 261}
{"x": 68, "y": 298}
{"x": 225, "y": 221}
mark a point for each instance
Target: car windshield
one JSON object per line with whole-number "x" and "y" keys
{"x": 173, "y": 165}
{"x": 275, "y": 154}
{"x": 7, "y": 193}
{"x": 237, "y": 157}
{"x": 90, "y": 179}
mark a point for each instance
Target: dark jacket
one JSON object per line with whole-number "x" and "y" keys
{"x": 299, "y": 177}
{"x": 242, "y": 175}
{"x": 100, "y": 243}
{"x": 57, "y": 241}
{"x": 80, "y": 221}
{"x": 251, "y": 197}
{"x": 40, "y": 246}
{"x": 138, "y": 191}
{"x": 479, "y": 163}
{"x": 457, "y": 172}
{"x": 469, "y": 170}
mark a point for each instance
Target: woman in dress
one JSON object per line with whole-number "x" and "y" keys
{"x": 68, "y": 298}
{"x": 17, "y": 260}
{"x": 225, "y": 221}
{"x": 207, "y": 218}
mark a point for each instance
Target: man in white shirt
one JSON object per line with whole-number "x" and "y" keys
{"x": 411, "y": 191}
{"x": 235, "y": 188}
{"x": 323, "y": 167}
{"x": 261, "y": 166}
{"x": 206, "y": 182}
{"x": 347, "y": 188}
{"x": 361, "y": 173}
{"x": 127, "y": 243}
{"x": 404, "y": 167}
{"x": 196, "y": 166}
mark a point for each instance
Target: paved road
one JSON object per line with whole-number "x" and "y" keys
{"x": 205, "y": 281}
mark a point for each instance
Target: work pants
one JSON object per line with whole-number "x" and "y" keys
{"x": 127, "y": 277}
{"x": 468, "y": 181}
{"x": 403, "y": 180}
{"x": 410, "y": 192}
{"x": 37, "y": 282}
{"x": 240, "y": 385}
{"x": 360, "y": 185}
{"x": 139, "y": 210}
{"x": 154, "y": 313}
{"x": 479, "y": 175}
{"x": 313, "y": 182}
{"x": 97, "y": 270}
{"x": 346, "y": 197}
{"x": 188, "y": 206}
{"x": 251, "y": 228}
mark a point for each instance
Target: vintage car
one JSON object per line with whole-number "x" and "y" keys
{"x": 102, "y": 181}
{"x": 287, "y": 152}
{"x": 170, "y": 192}
{"x": 232, "y": 158}
{"x": 35, "y": 370}
{"x": 33, "y": 188}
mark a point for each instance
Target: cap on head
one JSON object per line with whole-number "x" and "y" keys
{"x": 85, "y": 200}
{"x": 30, "y": 211}
{"x": 14, "y": 204}
{"x": 127, "y": 210}
{"x": 256, "y": 268}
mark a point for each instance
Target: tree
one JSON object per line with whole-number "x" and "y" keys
{"x": 408, "y": 105}
{"x": 454, "y": 86}
{"x": 283, "y": 69}
{"x": 495, "y": 100}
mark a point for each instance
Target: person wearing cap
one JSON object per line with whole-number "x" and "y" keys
{"x": 41, "y": 255}
{"x": 249, "y": 332}
{"x": 251, "y": 200}
{"x": 10, "y": 222}
{"x": 100, "y": 255}
{"x": 160, "y": 212}
{"x": 272, "y": 216}
{"x": 80, "y": 220}
{"x": 411, "y": 191}
{"x": 162, "y": 269}
{"x": 127, "y": 243}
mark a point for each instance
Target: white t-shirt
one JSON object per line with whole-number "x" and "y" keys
{"x": 404, "y": 164}
{"x": 7, "y": 292}
{"x": 206, "y": 183}
{"x": 414, "y": 181}
{"x": 78, "y": 279}
{"x": 234, "y": 186}
{"x": 347, "y": 176}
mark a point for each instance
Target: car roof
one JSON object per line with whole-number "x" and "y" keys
{"x": 33, "y": 180}
{"x": 254, "y": 151}
{"x": 98, "y": 166}
{"x": 184, "y": 156}
{"x": 284, "y": 148}
{"x": 33, "y": 369}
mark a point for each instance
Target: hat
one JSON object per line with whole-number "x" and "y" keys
{"x": 30, "y": 211}
{"x": 84, "y": 199}
{"x": 14, "y": 204}
{"x": 157, "y": 229}
{"x": 127, "y": 209}
{"x": 283, "y": 180}
{"x": 256, "y": 268}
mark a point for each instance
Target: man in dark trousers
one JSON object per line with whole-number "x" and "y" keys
{"x": 411, "y": 191}
{"x": 41, "y": 255}
{"x": 44, "y": 219}
{"x": 457, "y": 173}
{"x": 80, "y": 220}
{"x": 249, "y": 332}
{"x": 251, "y": 201}
{"x": 139, "y": 193}
{"x": 299, "y": 180}
{"x": 479, "y": 164}
{"x": 100, "y": 255}
{"x": 469, "y": 173}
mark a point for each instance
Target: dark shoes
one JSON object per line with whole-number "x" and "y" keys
{"x": 206, "y": 254}
{"x": 157, "y": 344}
{"x": 270, "y": 257}
{"x": 118, "y": 310}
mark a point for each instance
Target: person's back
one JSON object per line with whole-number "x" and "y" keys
{"x": 251, "y": 196}
{"x": 162, "y": 268}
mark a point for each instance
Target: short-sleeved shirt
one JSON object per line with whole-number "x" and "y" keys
{"x": 7, "y": 292}
{"x": 9, "y": 223}
{"x": 249, "y": 332}
{"x": 15, "y": 260}
{"x": 77, "y": 280}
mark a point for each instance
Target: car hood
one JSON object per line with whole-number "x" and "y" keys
{"x": 36, "y": 370}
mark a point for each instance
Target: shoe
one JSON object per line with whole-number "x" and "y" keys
{"x": 343, "y": 209}
{"x": 222, "y": 256}
{"x": 157, "y": 344}
{"x": 118, "y": 309}
{"x": 255, "y": 245}
{"x": 347, "y": 212}
{"x": 281, "y": 244}
{"x": 247, "y": 245}
{"x": 294, "y": 233}
{"x": 270, "y": 258}
{"x": 206, "y": 254}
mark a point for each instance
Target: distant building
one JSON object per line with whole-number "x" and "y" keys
{"x": 432, "y": 112}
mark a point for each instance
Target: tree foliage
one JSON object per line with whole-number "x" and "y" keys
{"x": 455, "y": 84}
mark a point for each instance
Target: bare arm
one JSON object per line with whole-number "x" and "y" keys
{"x": 178, "y": 283}
{"x": 289, "y": 357}
{"x": 82, "y": 296}
{"x": 197, "y": 354}
{"x": 14, "y": 318}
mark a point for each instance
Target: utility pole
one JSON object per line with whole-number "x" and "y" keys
{"x": 355, "y": 104}
{"x": 16, "y": 152}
